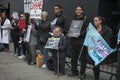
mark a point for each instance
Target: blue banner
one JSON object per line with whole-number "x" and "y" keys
{"x": 118, "y": 39}
{"x": 98, "y": 49}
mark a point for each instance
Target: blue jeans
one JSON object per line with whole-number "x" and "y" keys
{"x": 44, "y": 52}
{"x": 20, "y": 50}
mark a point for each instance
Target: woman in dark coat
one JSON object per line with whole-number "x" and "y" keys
{"x": 15, "y": 33}
{"x": 43, "y": 33}
{"x": 106, "y": 33}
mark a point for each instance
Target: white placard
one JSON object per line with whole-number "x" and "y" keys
{"x": 27, "y": 35}
{"x": 36, "y": 9}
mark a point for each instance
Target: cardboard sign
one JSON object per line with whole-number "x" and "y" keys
{"x": 52, "y": 43}
{"x": 75, "y": 28}
{"x": 36, "y": 9}
{"x": 27, "y": 35}
{"x": 15, "y": 15}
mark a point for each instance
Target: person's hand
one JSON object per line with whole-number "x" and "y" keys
{"x": 23, "y": 30}
{"x": 87, "y": 28}
{"x": 89, "y": 48}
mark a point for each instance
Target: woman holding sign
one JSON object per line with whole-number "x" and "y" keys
{"x": 106, "y": 33}
{"x": 43, "y": 30}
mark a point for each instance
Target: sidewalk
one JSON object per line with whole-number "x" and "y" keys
{"x": 12, "y": 68}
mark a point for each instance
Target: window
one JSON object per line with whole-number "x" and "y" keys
{"x": 27, "y": 5}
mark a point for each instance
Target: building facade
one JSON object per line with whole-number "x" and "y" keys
{"x": 110, "y": 9}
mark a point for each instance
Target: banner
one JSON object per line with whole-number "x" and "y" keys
{"x": 98, "y": 49}
{"x": 118, "y": 39}
{"x": 75, "y": 28}
{"x": 36, "y": 9}
{"x": 52, "y": 43}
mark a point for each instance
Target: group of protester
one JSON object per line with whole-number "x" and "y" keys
{"x": 15, "y": 30}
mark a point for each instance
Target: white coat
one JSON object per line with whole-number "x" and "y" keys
{"x": 5, "y": 38}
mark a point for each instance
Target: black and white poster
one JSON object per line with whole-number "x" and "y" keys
{"x": 75, "y": 28}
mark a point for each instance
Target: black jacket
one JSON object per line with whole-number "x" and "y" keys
{"x": 61, "y": 21}
{"x": 107, "y": 34}
{"x": 43, "y": 31}
{"x": 15, "y": 31}
{"x": 62, "y": 48}
{"x": 79, "y": 41}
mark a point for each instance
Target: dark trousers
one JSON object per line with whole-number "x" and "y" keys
{"x": 25, "y": 50}
{"x": 61, "y": 62}
{"x": 118, "y": 66}
{"x": 61, "y": 65}
{"x": 20, "y": 50}
{"x": 6, "y": 46}
{"x": 96, "y": 71}
{"x": 75, "y": 52}
{"x": 15, "y": 43}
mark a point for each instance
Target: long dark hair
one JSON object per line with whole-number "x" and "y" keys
{"x": 102, "y": 19}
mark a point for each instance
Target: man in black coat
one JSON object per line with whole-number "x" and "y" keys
{"x": 59, "y": 18}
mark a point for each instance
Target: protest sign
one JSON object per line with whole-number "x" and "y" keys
{"x": 52, "y": 43}
{"x": 36, "y": 9}
{"x": 75, "y": 28}
{"x": 27, "y": 35}
{"x": 98, "y": 49}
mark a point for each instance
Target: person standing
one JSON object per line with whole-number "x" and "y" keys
{"x": 118, "y": 52}
{"x": 14, "y": 32}
{"x": 59, "y": 19}
{"x": 32, "y": 43}
{"x": 60, "y": 54}
{"x": 43, "y": 33}
{"x": 5, "y": 31}
{"x": 106, "y": 33}
{"x": 76, "y": 44}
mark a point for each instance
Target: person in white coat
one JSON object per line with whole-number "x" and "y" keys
{"x": 5, "y": 31}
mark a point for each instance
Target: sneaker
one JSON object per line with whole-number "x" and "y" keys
{"x": 44, "y": 66}
{"x": 23, "y": 56}
{"x": 20, "y": 57}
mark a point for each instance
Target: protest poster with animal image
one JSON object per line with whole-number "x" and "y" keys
{"x": 75, "y": 28}
{"x": 52, "y": 43}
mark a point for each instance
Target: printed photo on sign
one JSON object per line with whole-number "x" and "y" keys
{"x": 75, "y": 28}
{"x": 52, "y": 43}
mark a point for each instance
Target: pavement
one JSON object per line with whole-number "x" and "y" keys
{"x": 13, "y": 68}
